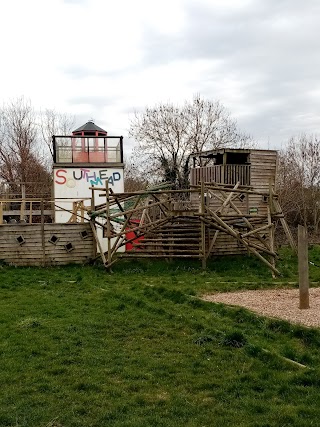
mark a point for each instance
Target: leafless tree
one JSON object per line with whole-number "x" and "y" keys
{"x": 21, "y": 156}
{"x": 167, "y": 135}
{"x": 299, "y": 180}
{"x": 55, "y": 123}
{"x": 134, "y": 180}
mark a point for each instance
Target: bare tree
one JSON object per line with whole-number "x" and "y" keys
{"x": 299, "y": 180}
{"x": 167, "y": 135}
{"x": 54, "y": 123}
{"x": 134, "y": 180}
{"x": 21, "y": 156}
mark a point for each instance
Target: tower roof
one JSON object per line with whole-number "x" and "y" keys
{"x": 90, "y": 126}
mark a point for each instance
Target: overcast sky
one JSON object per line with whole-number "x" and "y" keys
{"x": 103, "y": 59}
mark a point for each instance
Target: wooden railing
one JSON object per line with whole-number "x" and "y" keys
{"x": 221, "y": 174}
{"x": 34, "y": 210}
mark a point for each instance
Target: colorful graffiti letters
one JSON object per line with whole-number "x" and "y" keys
{"x": 92, "y": 177}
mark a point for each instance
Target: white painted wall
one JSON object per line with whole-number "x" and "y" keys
{"x": 72, "y": 184}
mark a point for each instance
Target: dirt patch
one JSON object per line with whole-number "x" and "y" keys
{"x": 278, "y": 303}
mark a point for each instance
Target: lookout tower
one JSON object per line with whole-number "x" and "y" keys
{"x": 89, "y": 157}
{"x": 82, "y": 152}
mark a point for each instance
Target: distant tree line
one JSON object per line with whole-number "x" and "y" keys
{"x": 165, "y": 137}
{"x": 298, "y": 183}
{"x": 26, "y": 147}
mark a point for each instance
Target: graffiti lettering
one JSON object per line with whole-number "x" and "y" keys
{"x": 63, "y": 178}
{"x": 116, "y": 176}
{"x": 103, "y": 174}
{"x": 75, "y": 177}
{"x": 93, "y": 177}
{"x": 96, "y": 181}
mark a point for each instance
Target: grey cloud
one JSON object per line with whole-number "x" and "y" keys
{"x": 269, "y": 48}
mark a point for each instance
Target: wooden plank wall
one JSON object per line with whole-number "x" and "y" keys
{"x": 263, "y": 169}
{"x": 37, "y": 250}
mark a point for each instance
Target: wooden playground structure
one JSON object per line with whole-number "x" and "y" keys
{"x": 231, "y": 207}
{"x": 165, "y": 224}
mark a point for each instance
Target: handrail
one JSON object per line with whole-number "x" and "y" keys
{"x": 221, "y": 174}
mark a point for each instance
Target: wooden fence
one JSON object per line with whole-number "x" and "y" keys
{"x": 221, "y": 174}
{"x": 46, "y": 244}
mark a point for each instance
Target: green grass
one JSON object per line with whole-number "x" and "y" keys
{"x": 81, "y": 347}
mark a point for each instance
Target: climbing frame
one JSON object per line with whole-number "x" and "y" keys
{"x": 165, "y": 224}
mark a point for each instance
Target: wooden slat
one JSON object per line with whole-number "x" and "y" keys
{"x": 37, "y": 250}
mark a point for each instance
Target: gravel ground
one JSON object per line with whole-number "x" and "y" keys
{"x": 278, "y": 303}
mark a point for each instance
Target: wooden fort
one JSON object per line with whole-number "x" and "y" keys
{"x": 252, "y": 172}
{"x": 231, "y": 207}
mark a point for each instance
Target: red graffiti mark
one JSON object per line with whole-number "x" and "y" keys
{"x": 63, "y": 178}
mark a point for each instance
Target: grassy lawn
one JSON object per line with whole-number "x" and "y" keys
{"x": 81, "y": 347}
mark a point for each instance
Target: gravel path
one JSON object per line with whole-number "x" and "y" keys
{"x": 279, "y": 303}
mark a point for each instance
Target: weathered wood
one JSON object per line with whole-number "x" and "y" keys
{"x": 203, "y": 228}
{"x": 303, "y": 268}
{"x": 36, "y": 244}
{"x": 270, "y": 223}
{"x": 256, "y": 230}
{"x": 212, "y": 243}
{"x": 256, "y": 253}
{"x": 94, "y": 232}
{"x": 138, "y": 254}
{"x": 125, "y": 225}
{"x": 286, "y": 228}
{"x": 244, "y": 242}
{"x": 109, "y": 254}
{"x": 74, "y": 214}
{"x": 34, "y": 212}
{"x": 230, "y": 190}
{"x": 246, "y": 221}
{"x": 42, "y": 234}
{"x": 23, "y": 202}
{"x": 92, "y": 223}
{"x": 228, "y": 199}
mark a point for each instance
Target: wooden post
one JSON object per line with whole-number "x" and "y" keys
{"x": 93, "y": 224}
{"x": 43, "y": 244}
{"x": 1, "y": 213}
{"x": 285, "y": 226}
{"x": 108, "y": 222}
{"x": 94, "y": 232}
{"x": 82, "y": 211}
{"x": 30, "y": 213}
{"x": 23, "y": 200}
{"x": 92, "y": 199}
{"x": 303, "y": 268}
{"x": 170, "y": 206}
{"x": 271, "y": 231}
{"x": 203, "y": 228}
